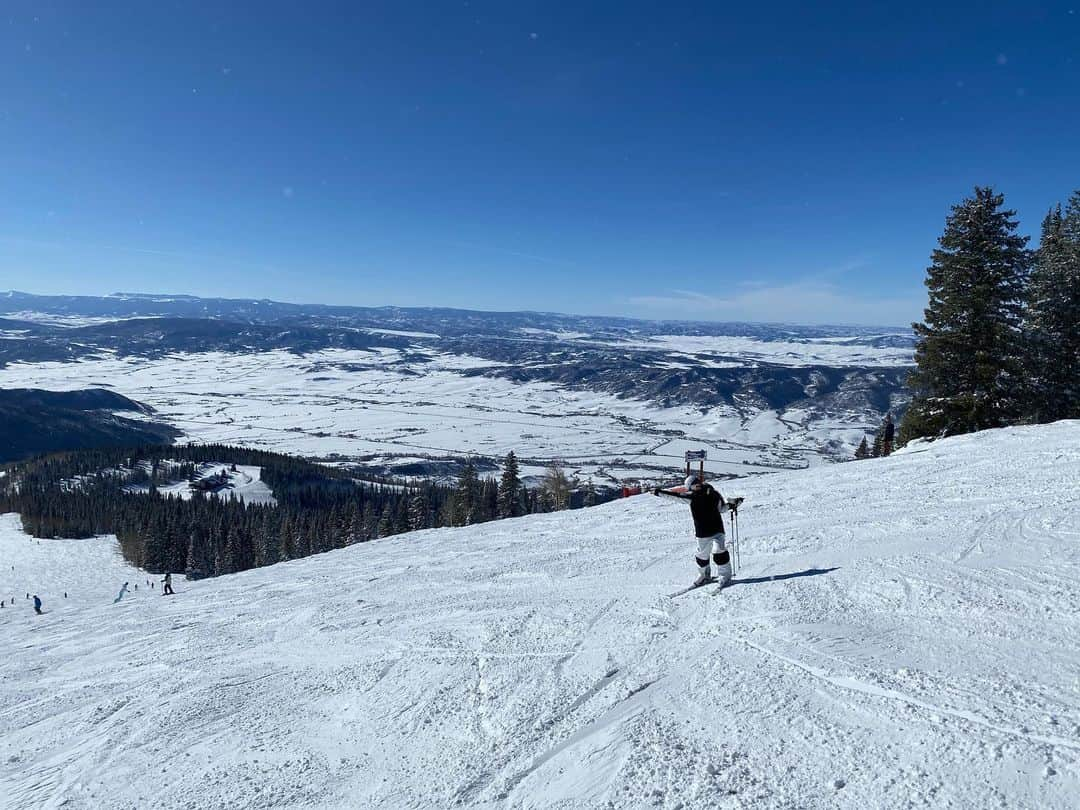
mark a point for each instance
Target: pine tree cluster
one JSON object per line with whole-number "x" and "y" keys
{"x": 476, "y": 501}
{"x": 87, "y": 493}
{"x": 1000, "y": 339}
{"x": 90, "y": 492}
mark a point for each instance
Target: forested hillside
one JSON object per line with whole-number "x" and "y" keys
{"x": 208, "y": 533}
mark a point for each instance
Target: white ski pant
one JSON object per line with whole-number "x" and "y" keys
{"x": 720, "y": 556}
{"x": 709, "y": 545}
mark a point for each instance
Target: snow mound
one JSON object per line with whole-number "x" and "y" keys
{"x": 903, "y": 633}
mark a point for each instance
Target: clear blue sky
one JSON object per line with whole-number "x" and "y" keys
{"x": 751, "y": 161}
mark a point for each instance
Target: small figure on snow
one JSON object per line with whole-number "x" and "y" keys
{"x": 119, "y": 596}
{"x": 706, "y": 507}
{"x": 168, "y": 591}
{"x": 37, "y": 604}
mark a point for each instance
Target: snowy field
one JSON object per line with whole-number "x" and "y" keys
{"x": 732, "y": 351}
{"x": 903, "y": 633}
{"x": 244, "y": 483}
{"x": 355, "y": 403}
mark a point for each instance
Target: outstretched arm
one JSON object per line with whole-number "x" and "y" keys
{"x": 683, "y": 495}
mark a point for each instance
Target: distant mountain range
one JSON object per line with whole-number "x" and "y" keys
{"x": 443, "y": 321}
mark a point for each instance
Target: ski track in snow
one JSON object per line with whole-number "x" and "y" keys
{"x": 537, "y": 662}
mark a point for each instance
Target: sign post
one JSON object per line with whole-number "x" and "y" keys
{"x": 699, "y": 457}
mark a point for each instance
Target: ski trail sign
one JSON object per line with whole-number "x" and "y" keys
{"x": 698, "y": 456}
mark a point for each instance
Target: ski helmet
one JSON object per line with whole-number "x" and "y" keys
{"x": 691, "y": 480}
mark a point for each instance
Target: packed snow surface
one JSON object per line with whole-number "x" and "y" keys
{"x": 903, "y": 633}
{"x": 89, "y": 571}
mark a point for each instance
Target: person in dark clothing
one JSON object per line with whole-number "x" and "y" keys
{"x": 890, "y": 432}
{"x": 168, "y": 585}
{"x": 37, "y": 605}
{"x": 706, "y": 507}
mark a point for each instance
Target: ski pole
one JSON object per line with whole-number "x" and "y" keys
{"x": 735, "y": 536}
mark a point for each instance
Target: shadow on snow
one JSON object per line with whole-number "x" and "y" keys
{"x": 809, "y": 572}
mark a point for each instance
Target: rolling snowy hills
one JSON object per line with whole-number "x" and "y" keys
{"x": 903, "y": 633}
{"x": 604, "y": 396}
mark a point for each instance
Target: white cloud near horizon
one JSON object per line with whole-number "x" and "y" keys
{"x": 803, "y": 302}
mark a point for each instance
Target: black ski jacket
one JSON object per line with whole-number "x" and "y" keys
{"x": 704, "y": 507}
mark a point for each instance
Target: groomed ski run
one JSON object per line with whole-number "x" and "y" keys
{"x": 903, "y": 633}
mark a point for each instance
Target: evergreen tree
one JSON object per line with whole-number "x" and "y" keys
{"x": 489, "y": 499}
{"x": 219, "y": 555}
{"x": 467, "y": 497}
{"x": 419, "y": 510}
{"x": 969, "y": 356}
{"x": 198, "y": 564}
{"x": 509, "y": 502}
{"x": 286, "y": 540}
{"x": 1053, "y": 323}
{"x": 370, "y": 521}
{"x": 401, "y": 515}
{"x": 878, "y": 447}
{"x": 862, "y": 451}
{"x": 1071, "y": 224}
{"x": 386, "y": 521}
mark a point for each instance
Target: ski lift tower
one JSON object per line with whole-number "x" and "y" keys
{"x": 699, "y": 457}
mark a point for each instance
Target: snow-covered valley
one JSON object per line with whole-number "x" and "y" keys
{"x": 411, "y": 391}
{"x": 903, "y": 633}
{"x": 378, "y": 408}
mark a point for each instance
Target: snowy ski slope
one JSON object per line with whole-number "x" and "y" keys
{"x": 904, "y": 633}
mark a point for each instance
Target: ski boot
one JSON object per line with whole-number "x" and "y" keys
{"x": 723, "y": 568}
{"x": 704, "y": 577}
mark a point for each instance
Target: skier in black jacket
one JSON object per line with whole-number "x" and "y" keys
{"x": 706, "y": 507}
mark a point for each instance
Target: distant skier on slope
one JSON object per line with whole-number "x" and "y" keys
{"x": 37, "y": 604}
{"x": 706, "y": 506}
{"x": 168, "y": 585}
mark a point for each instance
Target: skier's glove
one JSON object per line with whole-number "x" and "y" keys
{"x": 735, "y": 503}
